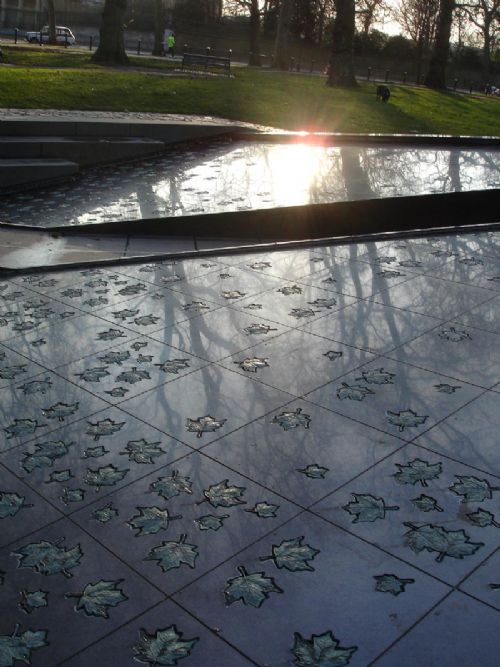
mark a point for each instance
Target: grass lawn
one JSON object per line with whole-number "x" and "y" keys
{"x": 68, "y": 80}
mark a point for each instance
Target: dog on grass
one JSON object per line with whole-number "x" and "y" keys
{"x": 383, "y": 93}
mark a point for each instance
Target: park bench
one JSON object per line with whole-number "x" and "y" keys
{"x": 205, "y": 61}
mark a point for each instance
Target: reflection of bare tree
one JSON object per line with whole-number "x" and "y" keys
{"x": 255, "y": 175}
{"x": 454, "y": 170}
{"x": 356, "y": 178}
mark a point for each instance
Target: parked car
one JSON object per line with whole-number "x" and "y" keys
{"x": 63, "y": 35}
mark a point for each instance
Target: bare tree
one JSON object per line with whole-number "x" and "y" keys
{"x": 326, "y": 9}
{"x": 111, "y": 50}
{"x": 436, "y": 76}
{"x": 341, "y": 63}
{"x": 160, "y": 21}
{"x": 282, "y": 44}
{"x": 256, "y": 11}
{"x": 51, "y": 20}
{"x": 485, "y": 16}
{"x": 418, "y": 18}
{"x": 367, "y": 12}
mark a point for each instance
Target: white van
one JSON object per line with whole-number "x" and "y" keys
{"x": 63, "y": 35}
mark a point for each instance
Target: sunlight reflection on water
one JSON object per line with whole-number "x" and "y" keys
{"x": 253, "y": 175}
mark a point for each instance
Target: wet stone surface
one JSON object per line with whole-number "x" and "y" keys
{"x": 282, "y": 445}
{"x": 241, "y": 176}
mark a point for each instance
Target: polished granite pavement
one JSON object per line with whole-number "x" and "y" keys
{"x": 247, "y": 175}
{"x": 274, "y": 459}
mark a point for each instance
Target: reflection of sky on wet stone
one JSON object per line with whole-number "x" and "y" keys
{"x": 252, "y": 175}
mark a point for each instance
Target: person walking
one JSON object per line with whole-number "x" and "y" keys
{"x": 171, "y": 44}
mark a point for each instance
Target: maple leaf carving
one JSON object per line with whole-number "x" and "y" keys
{"x": 60, "y": 410}
{"x": 151, "y": 520}
{"x": 390, "y": 274}
{"x": 11, "y": 503}
{"x": 168, "y": 487}
{"x": 171, "y": 555}
{"x": 321, "y": 651}
{"x": 95, "y": 599}
{"x": 259, "y": 329}
{"x": 206, "y": 424}
{"x": 59, "y": 476}
{"x": 49, "y": 557}
{"x": 473, "y": 490}
{"x": 233, "y": 294}
{"x": 93, "y": 374}
{"x": 164, "y": 647}
{"x": 354, "y": 392}
{"x": 289, "y": 290}
{"x": 21, "y": 427}
{"x": 405, "y": 419}
{"x": 390, "y": 583}
{"x": 130, "y": 290}
{"x": 196, "y": 306}
{"x": 292, "y": 555}
{"x": 105, "y": 514}
{"x": 417, "y": 471}
{"x": 115, "y": 357}
{"x": 366, "y": 507}
{"x": 19, "y": 646}
{"x": 133, "y": 375}
{"x": 291, "y": 420}
{"x": 36, "y": 387}
{"x": 333, "y": 355}
{"x": 300, "y": 313}
{"x": 110, "y": 334}
{"x": 103, "y": 428}
{"x": 146, "y": 320}
{"x": 224, "y": 494}
{"x": 264, "y": 510}
{"x": 31, "y": 600}
{"x": 452, "y": 543}
{"x": 210, "y": 522}
{"x": 323, "y": 303}
{"x": 447, "y": 388}
{"x": 454, "y": 335}
{"x": 376, "y": 376}
{"x": 314, "y": 471}
{"x": 117, "y": 392}
{"x": 72, "y": 495}
{"x": 173, "y": 365}
{"x": 252, "y": 364}
{"x": 105, "y": 476}
{"x": 251, "y": 588}
{"x": 138, "y": 345}
{"x": 10, "y": 372}
{"x": 142, "y": 451}
{"x": 483, "y": 518}
{"x": 426, "y": 503}
{"x": 45, "y": 454}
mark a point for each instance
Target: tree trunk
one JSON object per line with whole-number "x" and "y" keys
{"x": 111, "y": 50}
{"x": 51, "y": 12}
{"x": 487, "y": 46}
{"x": 420, "y": 55}
{"x": 282, "y": 46}
{"x": 436, "y": 76}
{"x": 160, "y": 20}
{"x": 254, "y": 58}
{"x": 341, "y": 57}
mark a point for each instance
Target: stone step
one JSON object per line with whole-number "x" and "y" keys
{"x": 166, "y": 131}
{"x": 21, "y": 171}
{"x": 85, "y": 151}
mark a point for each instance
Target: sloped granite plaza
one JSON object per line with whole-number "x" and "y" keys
{"x": 275, "y": 459}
